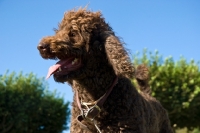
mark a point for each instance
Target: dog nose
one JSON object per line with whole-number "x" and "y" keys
{"x": 42, "y": 46}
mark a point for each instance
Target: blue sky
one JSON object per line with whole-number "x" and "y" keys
{"x": 171, "y": 27}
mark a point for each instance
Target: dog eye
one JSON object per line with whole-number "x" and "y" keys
{"x": 72, "y": 34}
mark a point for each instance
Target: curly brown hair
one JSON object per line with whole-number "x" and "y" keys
{"x": 91, "y": 57}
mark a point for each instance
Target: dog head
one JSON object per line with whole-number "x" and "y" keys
{"x": 84, "y": 41}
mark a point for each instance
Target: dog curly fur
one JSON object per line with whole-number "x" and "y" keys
{"x": 84, "y": 35}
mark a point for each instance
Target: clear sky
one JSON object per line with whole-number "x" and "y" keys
{"x": 170, "y": 26}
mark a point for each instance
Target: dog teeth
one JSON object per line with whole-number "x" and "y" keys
{"x": 74, "y": 61}
{"x": 59, "y": 69}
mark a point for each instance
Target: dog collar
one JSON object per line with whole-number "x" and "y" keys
{"x": 89, "y": 114}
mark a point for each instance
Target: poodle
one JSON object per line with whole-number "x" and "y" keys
{"x": 94, "y": 62}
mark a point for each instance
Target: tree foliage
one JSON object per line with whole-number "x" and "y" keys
{"x": 25, "y": 106}
{"x": 176, "y": 84}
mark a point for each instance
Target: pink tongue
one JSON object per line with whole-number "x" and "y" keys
{"x": 52, "y": 69}
{"x": 55, "y": 67}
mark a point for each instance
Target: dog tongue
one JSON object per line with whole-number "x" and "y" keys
{"x": 55, "y": 67}
{"x": 52, "y": 69}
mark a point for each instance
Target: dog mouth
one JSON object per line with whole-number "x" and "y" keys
{"x": 64, "y": 66}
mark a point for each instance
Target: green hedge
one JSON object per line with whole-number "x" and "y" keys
{"x": 25, "y": 106}
{"x": 176, "y": 84}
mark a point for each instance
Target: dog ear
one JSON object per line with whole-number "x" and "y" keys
{"x": 117, "y": 55}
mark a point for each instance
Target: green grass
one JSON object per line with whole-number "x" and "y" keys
{"x": 184, "y": 130}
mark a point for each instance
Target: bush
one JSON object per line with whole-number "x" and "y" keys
{"x": 176, "y": 85}
{"x": 25, "y": 106}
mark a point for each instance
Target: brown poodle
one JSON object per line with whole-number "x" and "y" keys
{"x": 95, "y": 63}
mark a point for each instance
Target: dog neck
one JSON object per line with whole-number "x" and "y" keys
{"x": 92, "y": 88}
